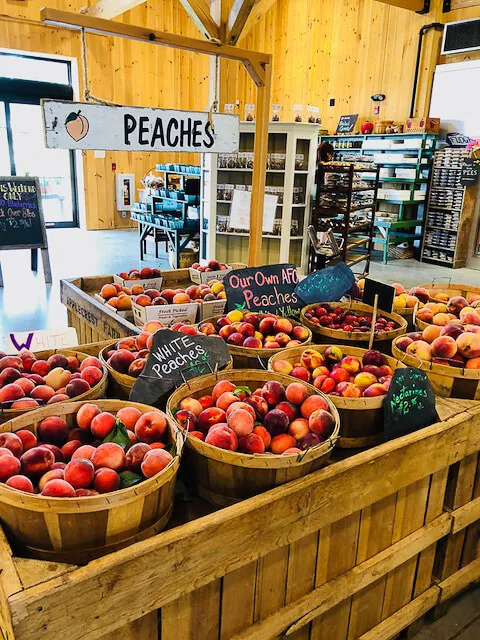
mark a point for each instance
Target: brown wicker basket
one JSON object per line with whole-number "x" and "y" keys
{"x": 447, "y": 382}
{"x": 98, "y": 391}
{"x": 78, "y": 530}
{"x": 382, "y": 341}
{"x": 449, "y": 290}
{"x": 361, "y": 419}
{"x": 244, "y": 358}
{"x": 225, "y": 477}
{"x": 120, "y": 383}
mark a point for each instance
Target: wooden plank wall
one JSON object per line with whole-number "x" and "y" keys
{"x": 121, "y": 71}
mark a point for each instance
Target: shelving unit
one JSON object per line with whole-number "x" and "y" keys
{"x": 353, "y": 234}
{"x": 448, "y": 224}
{"x": 397, "y": 219}
{"x": 294, "y": 145}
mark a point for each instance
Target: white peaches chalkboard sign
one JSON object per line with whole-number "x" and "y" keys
{"x": 77, "y": 125}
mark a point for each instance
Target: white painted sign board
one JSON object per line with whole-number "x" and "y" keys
{"x": 41, "y": 340}
{"x": 78, "y": 125}
{"x": 240, "y": 210}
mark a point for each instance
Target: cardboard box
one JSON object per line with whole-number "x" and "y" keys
{"x": 422, "y": 125}
{"x": 212, "y": 308}
{"x": 204, "y": 277}
{"x": 151, "y": 283}
{"x": 167, "y": 314}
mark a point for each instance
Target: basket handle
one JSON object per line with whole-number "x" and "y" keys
{"x": 262, "y": 363}
{"x": 447, "y": 278}
{"x": 414, "y": 355}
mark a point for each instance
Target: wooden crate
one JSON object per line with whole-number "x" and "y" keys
{"x": 95, "y": 321}
{"x": 345, "y": 553}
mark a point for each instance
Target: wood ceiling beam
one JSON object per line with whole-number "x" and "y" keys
{"x": 260, "y": 8}
{"x": 109, "y": 9}
{"x": 199, "y": 12}
{"x": 411, "y": 5}
{"x": 237, "y": 19}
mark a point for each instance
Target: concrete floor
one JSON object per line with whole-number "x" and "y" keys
{"x": 27, "y": 303}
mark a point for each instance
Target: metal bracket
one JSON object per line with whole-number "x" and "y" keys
{"x": 426, "y": 6}
{"x": 446, "y": 6}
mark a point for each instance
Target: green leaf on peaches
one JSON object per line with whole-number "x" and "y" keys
{"x": 129, "y": 479}
{"x": 118, "y": 435}
{"x": 238, "y": 391}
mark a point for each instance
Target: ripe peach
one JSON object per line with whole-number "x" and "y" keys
{"x": 456, "y": 304}
{"x": 308, "y": 441}
{"x": 12, "y": 442}
{"x": 322, "y": 423}
{"x": 150, "y": 427}
{"x": 11, "y": 392}
{"x": 341, "y": 375}
{"x": 431, "y": 333}
{"x": 421, "y": 349}
{"x": 399, "y": 288}
{"x": 58, "y": 378}
{"x": 58, "y": 489}
{"x": 108, "y": 291}
{"x": 348, "y": 390}
{"x": 5, "y": 452}
{"x": 301, "y": 373}
{"x": 251, "y": 443}
{"x": 82, "y": 493}
{"x": 9, "y": 375}
{"x": 28, "y": 358}
{"x": 109, "y": 455}
{"x": 351, "y": 364}
{"x": 312, "y": 359}
{"x": 155, "y": 461}
{"x": 43, "y": 393}
{"x": 92, "y": 375}
{"x": 86, "y": 414}
{"x": 137, "y": 366}
{"x": 85, "y": 451}
{"x": 106, "y": 480}
{"x": 53, "y": 430}
{"x": 283, "y": 366}
{"x": 470, "y": 317}
{"x": 311, "y": 404}
{"x": 121, "y": 360}
{"x": 129, "y": 416}
{"x": 209, "y": 417}
{"x": 102, "y": 424}
{"x": 57, "y": 452}
{"x": 426, "y": 315}
{"x": 9, "y": 466}
{"x": 24, "y": 383}
{"x": 222, "y": 387}
{"x": 298, "y": 428}
{"x": 421, "y": 293}
{"x": 403, "y": 342}
{"x": 473, "y": 363}
{"x": 21, "y": 483}
{"x": 441, "y": 319}
{"x": 376, "y": 389}
{"x": 259, "y": 405}
{"x": 69, "y": 448}
{"x": 282, "y": 324}
{"x": 24, "y": 403}
{"x": 241, "y": 405}
{"x": 386, "y": 370}
{"x": 53, "y": 474}
{"x": 58, "y": 360}
{"x": 135, "y": 455}
{"x": 79, "y": 473}
{"x": 77, "y": 387}
{"x": 58, "y": 397}
{"x": 273, "y": 392}
{"x": 296, "y": 393}
{"x": 444, "y": 347}
{"x": 91, "y": 361}
{"x": 276, "y": 422}
{"x": 468, "y": 345}
{"x": 11, "y": 361}
{"x": 300, "y": 332}
{"x": 264, "y": 435}
{"x": 364, "y": 379}
{"x": 241, "y": 421}
{"x": 29, "y": 439}
{"x": 222, "y": 437}
{"x": 73, "y": 364}
{"x": 281, "y": 443}
{"x": 37, "y": 461}
{"x": 196, "y": 434}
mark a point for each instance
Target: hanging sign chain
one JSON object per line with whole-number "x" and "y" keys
{"x": 214, "y": 107}
{"x": 89, "y": 97}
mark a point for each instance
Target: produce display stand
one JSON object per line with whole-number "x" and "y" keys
{"x": 95, "y": 321}
{"x": 359, "y": 549}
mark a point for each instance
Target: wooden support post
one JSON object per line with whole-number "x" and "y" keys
{"x": 47, "y": 272}
{"x": 259, "y": 170}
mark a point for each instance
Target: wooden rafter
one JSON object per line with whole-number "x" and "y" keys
{"x": 237, "y": 19}
{"x": 109, "y": 9}
{"x": 260, "y": 8}
{"x": 411, "y": 5}
{"x": 199, "y": 11}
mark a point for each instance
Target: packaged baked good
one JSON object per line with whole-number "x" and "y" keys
{"x": 276, "y": 109}
{"x": 249, "y": 112}
{"x": 298, "y": 113}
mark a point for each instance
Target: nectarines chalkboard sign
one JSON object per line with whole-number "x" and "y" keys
{"x": 174, "y": 359}
{"x": 326, "y": 285}
{"x": 409, "y": 403}
{"x": 267, "y": 289}
{"x": 21, "y": 217}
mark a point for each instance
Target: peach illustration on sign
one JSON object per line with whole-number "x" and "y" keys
{"x": 76, "y": 125}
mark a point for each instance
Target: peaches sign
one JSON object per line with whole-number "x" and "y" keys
{"x": 76, "y": 125}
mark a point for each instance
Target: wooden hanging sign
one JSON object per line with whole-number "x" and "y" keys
{"x": 77, "y": 125}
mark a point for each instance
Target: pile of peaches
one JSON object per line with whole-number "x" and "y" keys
{"x": 101, "y": 454}
{"x": 338, "y": 375}
{"x": 141, "y": 274}
{"x": 341, "y": 319}
{"x": 121, "y": 297}
{"x": 409, "y": 299}
{"x": 212, "y": 265}
{"x": 26, "y": 383}
{"x": 129, "y": 355}
{"x": 457, "y": 309}
{"x": 272, "y": 419}
{"x": 255, "y": 331}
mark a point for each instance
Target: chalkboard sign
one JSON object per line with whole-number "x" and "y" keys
{"x": 470, "y": 172}
{"x": 21, "y": 217}
{"x": 174, "y": 359}
{"x": 346, "y": 124}
{"x": 385, "y": 293}
{"x": 268, "y": 289}
{"x": 409, "y": 403}
{"x": 327, "y": 285}
{"x": 457, "y": 140}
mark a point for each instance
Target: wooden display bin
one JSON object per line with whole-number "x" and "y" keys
{"x": 95, "y": 321}
{"x": 353, "y": 551}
